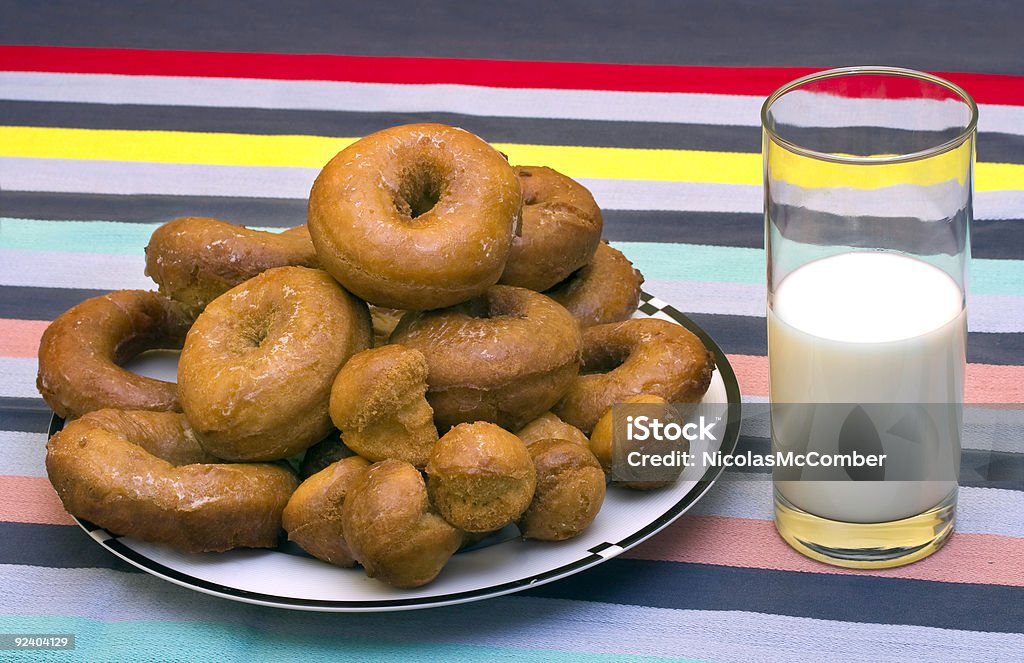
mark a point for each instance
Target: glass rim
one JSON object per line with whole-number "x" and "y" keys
{"x": 946, "y": 146}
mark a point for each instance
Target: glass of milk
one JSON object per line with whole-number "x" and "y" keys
{"x": 868, "y": 176}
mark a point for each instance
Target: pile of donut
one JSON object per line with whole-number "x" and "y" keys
{"x": 457, "y": 318}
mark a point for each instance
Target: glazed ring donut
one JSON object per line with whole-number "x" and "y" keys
{"x": 196, "y": 259}
{"x": 255, "y": 374}
{"x": 415, "y": 217}
{"x": 561, "y": 230}
{"x": 641, "y": 356}
{"x": 142, "y": 474}
{"x": 506, "y": 357}
{"x": 80, "y": 353}
{"x": 606, "y": 290}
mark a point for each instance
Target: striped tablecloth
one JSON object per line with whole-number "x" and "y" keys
{"x": 112, "y": 122}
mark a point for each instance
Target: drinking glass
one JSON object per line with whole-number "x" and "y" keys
{"x": 868, "y": 178}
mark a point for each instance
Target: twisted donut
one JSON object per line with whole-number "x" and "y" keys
{"x": 142, "y": 474}
{"x": 196, "y": 259}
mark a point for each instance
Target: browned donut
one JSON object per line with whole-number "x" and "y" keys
{"x": 570, "y": 491}
{"x": 641, "y": 356}
{"x": 196, "y": 259}
{"x": 312, "y": 517}
{"x": 602, "y": 442}
{"x": 80, "y": 353}
{"x": 391, "y": 528}
{"x": 378, "y": 401}
{"x": 549, "y": 427}
{"x": 256, "y": 371}
{"x": 142, "y": 474}
{"x": 505, "y": 358}
{"x": 561, "y": 230}
{"x": 606, "y": 290}
{"x": 419, "y": 216}
{"x": 480, "y": 477}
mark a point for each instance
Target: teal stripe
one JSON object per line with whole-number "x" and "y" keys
{"x": 107, "y": 237}
{"x": 145, "y": 640}
{"x": 727, "y": 264}
{"x": 658, "y": 261}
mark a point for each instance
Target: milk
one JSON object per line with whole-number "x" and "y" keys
{"x": 868, "y": 327}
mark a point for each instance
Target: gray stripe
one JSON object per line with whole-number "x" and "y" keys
{"x": 55, "y": 269}
{"x": 276, "y": 121}
{"x": 807, "y": 33}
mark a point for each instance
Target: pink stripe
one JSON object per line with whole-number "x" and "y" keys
{"x": 31, "y": 500}
{"x": 986, "y": 559}
{"x": 986, "y": 383}
{"x": 20, "y": 338}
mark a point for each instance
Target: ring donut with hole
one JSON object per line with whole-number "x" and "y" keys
{"x": 561, "y": 230}
{"x": 418, "y": 217}
{"x": 256, "y": 371}
{"x": 505, "y": 357}
{"x": 81, "y": 351}
{"x": 607, "y": 289}
{"x": 639, "y": 356}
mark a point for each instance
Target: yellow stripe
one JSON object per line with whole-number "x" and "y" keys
{"x": 314, "y": 151}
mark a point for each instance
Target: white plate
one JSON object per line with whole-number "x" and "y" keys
{"x": 286, "y": 577}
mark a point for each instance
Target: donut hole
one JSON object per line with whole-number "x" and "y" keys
{"x": 419, "y": 191}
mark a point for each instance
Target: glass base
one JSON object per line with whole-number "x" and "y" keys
{"x": 866, "y": 545}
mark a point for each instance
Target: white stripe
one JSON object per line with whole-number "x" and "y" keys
{"x": 382, "y": 97}
{"x": 140, "y": 178}
{"x": 22, "y": 454}
{"x": 18, "y": 377}
{"x": 803, "y": 108}
{"x": 679, "y": 107}
{"x": 556, "y": 624}
{"x": 55, "y": 269}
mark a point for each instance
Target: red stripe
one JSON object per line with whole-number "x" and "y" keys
{"x": 756, "y": 81}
